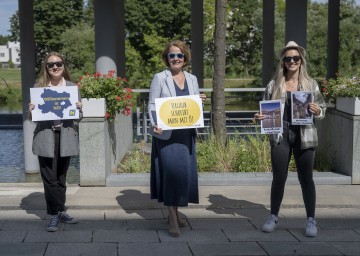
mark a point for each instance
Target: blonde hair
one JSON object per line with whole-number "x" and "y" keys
{"x": 183, "y": 48}
{"x": 280, "y": 75}
{"x": 44, "y": 76}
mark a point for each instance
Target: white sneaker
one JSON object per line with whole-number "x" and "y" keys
{"x": 271, "y": 223}
{"x": 311, "y": 229}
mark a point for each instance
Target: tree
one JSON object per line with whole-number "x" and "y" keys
{"x": 78, "y": 47}
{"x": 149, "y": 26}
{"x": 4, "y": 39}
{"x": 218, "y": 96}
{"x": 15, "y": 27}
{"x": 52, "y": 18}
{"x": 244, "y": 38}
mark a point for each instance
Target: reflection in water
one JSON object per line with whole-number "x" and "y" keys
{"x": 273, "y": 122}
{"x": 12, "y": 160}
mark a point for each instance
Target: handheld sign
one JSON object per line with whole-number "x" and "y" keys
{"x": 272, "y": 123}
{"x": 179, "y": 112}
{"x": 54, "y": 103}
{"x": 300, "y": 112}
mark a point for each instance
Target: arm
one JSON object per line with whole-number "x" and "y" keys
{"x": 155, "y": 92}
{"x": 318, "y": 107}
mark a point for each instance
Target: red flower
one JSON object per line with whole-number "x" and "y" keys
{"x": 107, "y": 115}
{"x": 324, "y": 89}
{"x": 118, "y": 98}
{"x": 124, "y": 79}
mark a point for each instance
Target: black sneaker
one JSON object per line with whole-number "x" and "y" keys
{"x": 64, "y": 217}
{"x": 54, "y": 223}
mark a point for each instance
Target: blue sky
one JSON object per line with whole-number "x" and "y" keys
{"x": 9, "y": 7}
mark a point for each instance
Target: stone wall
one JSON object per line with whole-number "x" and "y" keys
{"x": 102, "y": 146}
{"x": 339, "y": 142}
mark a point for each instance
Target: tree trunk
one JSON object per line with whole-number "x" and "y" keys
{"x": 218, "y": 96}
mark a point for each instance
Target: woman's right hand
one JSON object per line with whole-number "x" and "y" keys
{"x": 157, "y": 130}
{"x": 31, "y": 107}
{"x": 259, "y": 117}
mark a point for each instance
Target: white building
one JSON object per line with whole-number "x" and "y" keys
{"x": 10, "y": 52}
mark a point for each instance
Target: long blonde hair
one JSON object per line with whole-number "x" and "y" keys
{"x": 44, "y": 76}
{"x": 280, "y": 75}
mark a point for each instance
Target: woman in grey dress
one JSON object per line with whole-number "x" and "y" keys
{"x": 174, "y": 179}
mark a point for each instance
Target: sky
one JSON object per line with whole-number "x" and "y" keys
{"x": 9, "y": 7}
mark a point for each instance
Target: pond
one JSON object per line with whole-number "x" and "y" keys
{"x": 12, "y": 160}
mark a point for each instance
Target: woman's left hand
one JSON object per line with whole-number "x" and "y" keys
{"x": 203, "y": 97}
{"x": 78, "y": 105}
{"x": 314, "y": 108}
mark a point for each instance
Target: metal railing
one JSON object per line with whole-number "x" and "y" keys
{"x": 237, "y": 122}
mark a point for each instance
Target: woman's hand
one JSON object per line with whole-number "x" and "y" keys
{"x": 315, "y": 108}
{"x": 157, "y": 130}
{"x": 259, "y": 117}
{"x": 78, "y": 105}
{"x": 203, "y": 97}
{"x": 31, "y": 107}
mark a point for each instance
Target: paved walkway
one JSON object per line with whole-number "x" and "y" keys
{"x": 124, "y": 221}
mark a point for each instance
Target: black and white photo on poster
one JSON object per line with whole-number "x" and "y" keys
{"x": 272, "y": 123}
{"x": 300, "y": 112}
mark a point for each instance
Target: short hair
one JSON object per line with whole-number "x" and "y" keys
{"x": 183, "y": 48}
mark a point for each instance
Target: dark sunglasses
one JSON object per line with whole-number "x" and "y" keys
{"x": 51, "y": 64}
{"x": 294, "y": 58}
{"x": 177, "y": 55}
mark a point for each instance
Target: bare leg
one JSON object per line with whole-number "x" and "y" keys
{"x": 181, "y": 223}
{"x": 173, "y": 224}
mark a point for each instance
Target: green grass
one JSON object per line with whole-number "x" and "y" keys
{"x": 232, "y": 83}
{"x": 12, "y": 78}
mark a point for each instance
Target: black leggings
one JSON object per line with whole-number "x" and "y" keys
{"x": 304, "y": 159}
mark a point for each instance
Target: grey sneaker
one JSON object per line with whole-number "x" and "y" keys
{"x": 64, "y": 217}
{"x": 311, "y": 229}
{"x": 54, "y": 223}
{"x": 271, "y": 223}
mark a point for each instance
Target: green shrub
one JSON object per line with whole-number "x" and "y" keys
{"x": 247, "y": 153}
{"x": 214, "y": 157}
{"x": 253, "y": 154}
{"x": 137, "y": 161}
{"x": 10, "y": 95}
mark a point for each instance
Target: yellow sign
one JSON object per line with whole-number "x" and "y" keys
{"x": 179, "y": 112}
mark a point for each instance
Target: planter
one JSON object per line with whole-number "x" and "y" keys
{"x": 93, "y": 107}
{"x": 350, "y": 105}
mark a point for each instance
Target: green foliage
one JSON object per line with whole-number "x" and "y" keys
{"x": 137, "y": 161}
{"x": 4, "y": 40}
{"x": 114, "y": 89}
{"x": 10, "y": 95}
{"x": 78, "y": 47}
{"x": 212, "y": 156}
{"x": 253, "y": 154}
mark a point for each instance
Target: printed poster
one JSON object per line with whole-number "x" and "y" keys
{"x": 300, "y": 112}
{"x": 272, "y": 123}
{"x": 179, "y": 112}
{"x": 54, "y": 103}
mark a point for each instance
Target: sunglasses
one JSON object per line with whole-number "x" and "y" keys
{"x": 51, "y": 64}
{"x": 177, "y": 55}
{"x": 294, "y": 58}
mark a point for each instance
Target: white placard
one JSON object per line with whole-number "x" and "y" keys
{"x": 54, "y": 103}
{"x": 179, "y": 112}
{"x": 300, "y": 112}
{"x": 272, "y": 111}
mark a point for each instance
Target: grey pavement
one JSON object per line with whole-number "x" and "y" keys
{"x": 121, "y": 219}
